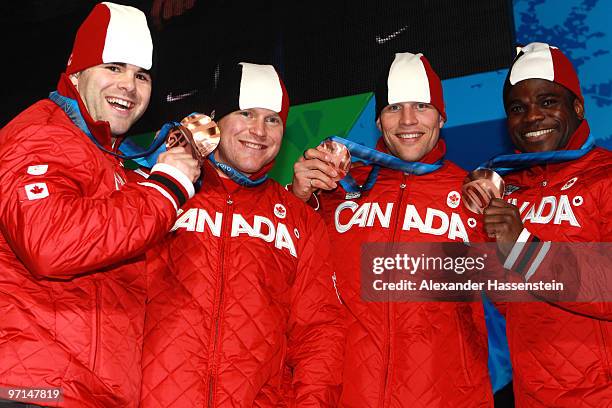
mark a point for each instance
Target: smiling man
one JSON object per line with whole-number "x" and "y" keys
{"x": 242, "y": 309}
{"x": 542, "y": 115}
{"x": 402, "y": 353}
{"x": 560, "y": 352}
{"x": 72, "y": 293}
{"x": 117, "y": 92}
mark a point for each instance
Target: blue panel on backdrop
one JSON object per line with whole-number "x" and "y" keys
{"x": 364, "y": 130}
{"x": 474, "y": 98}
{"x": 471, "y": 145}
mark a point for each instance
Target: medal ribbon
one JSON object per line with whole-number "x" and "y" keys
{"x": 135, "y": 152}
{"x": 377, "y": 160}
{"x": 508, "y": 163}
{"x": 234, "y": 174}
{"x": 147, "y": 158}
{"x": 349, "y": 184}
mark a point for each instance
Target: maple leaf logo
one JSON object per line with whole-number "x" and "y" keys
{"x": 280, "y": 211}
{"x": 452, "y": 199}
{"x": 36, "y": 190}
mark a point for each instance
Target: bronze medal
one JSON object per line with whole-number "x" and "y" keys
{"x": 340, "y": 157}
{"x": 204, "y": 131}
{"x": 480, "y": 187}
{"x": 198, "y": 133}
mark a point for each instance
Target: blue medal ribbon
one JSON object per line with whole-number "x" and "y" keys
{"x": 508, "y": 163}
{"x": 234, "y": 174}
{"x": 349, "y": 184}
{"x": 373, "y": 156}
{"x": 379, "y": 159}
{"x": 135, "y": 152}
{"x": 147, "y": 158}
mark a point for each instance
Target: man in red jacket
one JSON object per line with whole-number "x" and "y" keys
{"x": 561, "y": 352}
{"x": 242, "y": 309}
{"x": 72, "y": 302}
{"x": 402, "y": 354}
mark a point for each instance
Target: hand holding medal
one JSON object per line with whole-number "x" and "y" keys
{"x": 483, "y": 192}
{"x": 320, "y": 168}
{"x": 340, "y": 158}
{"x": 480, "y": 187}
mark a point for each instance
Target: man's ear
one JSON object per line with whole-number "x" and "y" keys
{"x": 579, "y": 108}
{"x": 74, "y": 78}
{"x": 378, "y": 124}
{"x": 442, "y": 122}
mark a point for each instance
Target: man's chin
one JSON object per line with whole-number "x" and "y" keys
{"x": 118, "y": 129}
{"x": 541, "y": 145}
{"x": 118, "y": 132}
{"x": 251, "y": 167}
{"x": 248, "y": 170}
{"x": 411, "y": 157}
{"x": 535, "y": 147}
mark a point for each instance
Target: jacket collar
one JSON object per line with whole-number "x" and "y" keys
{"x": 579, "y": 137}
{"x": 99, "y": 129}
{"x": 214, "y": 180}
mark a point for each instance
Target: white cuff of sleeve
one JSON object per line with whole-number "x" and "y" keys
{"x": 176, "y": 174}
{"x": 517, "y": 248}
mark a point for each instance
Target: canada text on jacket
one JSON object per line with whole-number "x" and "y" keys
{"x": 435, "y": 222}
{"x": 199, "y": 220}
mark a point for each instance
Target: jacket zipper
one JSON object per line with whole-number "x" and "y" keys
{"x": 603, "y": 331}
{"x": 387, "y": 358}
{"x": 96, "y": 326}
{"x": 211, "y": 378}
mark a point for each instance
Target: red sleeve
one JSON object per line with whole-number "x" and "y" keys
{"x": 583, "y": 268}
{"x": 316, "y": 329}
{"x": 54, "y": 227}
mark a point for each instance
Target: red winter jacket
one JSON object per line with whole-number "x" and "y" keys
{"x": 407, "y": 354}
{"x": 71, "y": 302}
{"x": 562, "y": 352}
{"x": 243, "y": 311}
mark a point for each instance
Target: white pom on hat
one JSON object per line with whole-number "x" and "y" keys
{"x": 112, "y": 33}
{"x": 542, "y": 61}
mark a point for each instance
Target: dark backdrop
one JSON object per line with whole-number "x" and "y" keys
{"x": 323, "y": 49}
